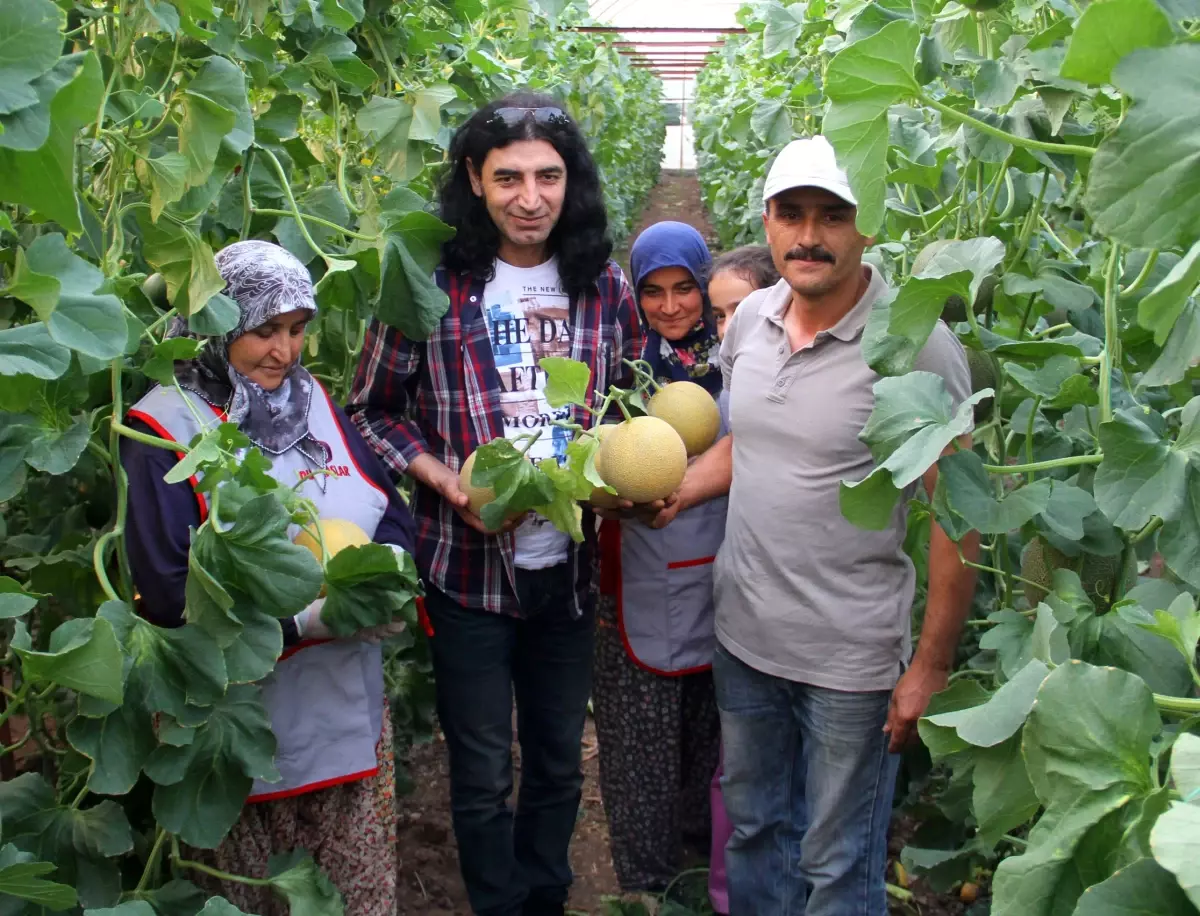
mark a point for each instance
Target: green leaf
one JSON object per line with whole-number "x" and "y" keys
{"x": 202, "y": 786}
{"x": 255, "y": 557}
{"x": 307, "y": 889}
{"x": 186, "y": 262}
{"x": 1107, "y": 31}
{"x": 83, "y": 655}
{"x": 14, "y": 600}
{"x": 161, "y": 365}
{"x": 167, "y": 177}
{"x": 84, "y": 844}
{"x": 1143, "y": 474}
{"x": 912, "y": 423}
{"x": 118, "y": 744}
{"x": 772, "y": 122}
{"x": 252, "y": 656}
{"x": 1159, "y": 311}
{"x": 1144, "y": 887}
{"x": 218, "y": 317}
{"x": 1179, "y": 625}
{"x": 171, "y": 669}
{"x": 128, "y": 908}
{"x": 324, "y": 201}
{"x": 29, "y": 46}
{"x": 386, "y": 123}
{"x": 996, "y": 83}
{"x": 1003, "y": 797}
{"x": 1177, "y": 357}
{"x": 1002, "y": 716}
{"x": 1179, "y": 540}
{"x": 56, "y": 451}
{"x": 333, "y": 56}
{"x": 1087, "y": 749}
{"x": 782, "y": 27}
{"x": 44, "y": 179}
{"x": 20, "y": 878}
{"x": 219, "y": 906}
{"x": 39, "y": 291}
{"x": 423, "y": 235}
{"x": 29, "y": 349}
{"x": 965, "y": 498}
{"x": 84, "y": 319}
{"x": 367, "y": 586}
{"x": 1143, "y": 188}
{"x": 564, "y": 511}
{"x": 201, "y": 129}
{"x": 862, "y": 82}
{"x": 427, "y": 111}
{"x": 899, "y": 325}
{"x": 1185, "y": 767}
{"x": 409, "y": 300}
{"x": 567, "y": 381}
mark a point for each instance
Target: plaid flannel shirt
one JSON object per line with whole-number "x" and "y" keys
{"x": 442, "y": 397}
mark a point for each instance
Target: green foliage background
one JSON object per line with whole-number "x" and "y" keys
{"x": 1040, "y": 160}
{"x": 139, "y": 137}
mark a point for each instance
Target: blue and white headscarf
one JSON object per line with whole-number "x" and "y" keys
{"x": 265, "y": 281}
{"x": 693, "y": 357}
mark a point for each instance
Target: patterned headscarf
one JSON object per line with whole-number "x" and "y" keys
{"x": 265, "y": 281}
{"x": 693, "y": 357}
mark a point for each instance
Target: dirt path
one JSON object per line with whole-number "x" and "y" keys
{"x": 676, "y": 197}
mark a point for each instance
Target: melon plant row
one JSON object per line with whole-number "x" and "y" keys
{"x": 1031, "y": 173}
{"x": 137, "y": 137}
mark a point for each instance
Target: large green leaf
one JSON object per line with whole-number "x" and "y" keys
{"x": 1180, "y": 537}
{"x": 1107, "y": 31}
{"x": 1175, "y": 839}
{"x": 29, "y": 46}
{"x": 307, "y": 889}
{"x": 1159, "y": 311}
{"x": 14, "y": 600}
{"x": 367, "y": 586}
{"x": 185, "y": 261}
{"x": 899, "y": 326}
{"x": 423, "y": 235}
{"x": 409, "y": 299}
{"x": 166, "y": 176}
{"x": 782, "y": 27}
{"x": 386, "y": 123}
{"x": 1003, "y": 797}
{"x": 85, "y": 844}
{"x": 30, "y": 350}
{"x": 324, "y": 201}
{"x": 84, "y": 319}
{"x": 427, "y": 108}
{"x": 202, "y": 786}
{"x": 216, "y": 113}
{"x": 1143, "y": 474}
{"x": 912, "y": 423}
{"x": 1002, "y": 716}
{"x": 44, "y": 179}
{"x": 1144, "y": 887}
{"x": 1087, "y": 749}
{"x": 1144, "y": 185}
{"x": 772, "y": 122}
{"x": 20, "y": 877}
{"x": 862, "y": 82}
{"x": 1183, "y": 343}
{"x": 83, "y": 654}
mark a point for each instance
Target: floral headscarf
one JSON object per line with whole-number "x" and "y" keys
{"x": 265, "y": 281}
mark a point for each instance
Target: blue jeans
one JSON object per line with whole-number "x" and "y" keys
{"x": 514, "y": 864}
{"x": 808, "y": 787}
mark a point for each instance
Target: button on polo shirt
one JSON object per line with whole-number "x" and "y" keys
{"x": 801, "y": 593}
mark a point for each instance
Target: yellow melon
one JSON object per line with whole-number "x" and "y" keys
{"x": 643, "y": 459}
{"x": 478, "y": 496}
{"x": 339, "y": 534}
{"x": 692, "y": 413}
{"x": 600, "y": 497}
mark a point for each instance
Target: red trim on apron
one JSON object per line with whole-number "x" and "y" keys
{"x": 349, "y": 451}
{"x": 423, "y": 617}
{"x": 313, "y": 786}
{"x": 163, "y": 434}
{"x": 688, "y": 564}
{"x": 611, "y": 584}
{"x": 302, "y": 644}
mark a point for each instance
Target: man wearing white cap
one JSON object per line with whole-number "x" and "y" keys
{"x": 816, "y": 680}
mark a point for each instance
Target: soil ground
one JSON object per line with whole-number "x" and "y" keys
{"x": 430, "y": 884}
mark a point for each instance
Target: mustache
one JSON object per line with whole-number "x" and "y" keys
{"x": 813, "y": 253}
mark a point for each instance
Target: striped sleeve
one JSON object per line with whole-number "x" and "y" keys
{"x": 382, "y": 400}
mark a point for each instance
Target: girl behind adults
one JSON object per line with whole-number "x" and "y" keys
{"x": 656, "y": 713}
{"x": 735, "y": 275}
{"x": 325, "y": 697}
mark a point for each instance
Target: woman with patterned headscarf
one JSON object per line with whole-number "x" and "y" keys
{"x": 325, "y": 697}
{"x": 653, "y": 695}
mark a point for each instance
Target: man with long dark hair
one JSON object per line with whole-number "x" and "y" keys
{"x": 528, "y": 275}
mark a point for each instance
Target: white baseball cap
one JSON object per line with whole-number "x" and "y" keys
{"x": 807, "y": 163}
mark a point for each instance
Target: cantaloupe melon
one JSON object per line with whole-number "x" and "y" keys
{"x": 600, "y": 497}
{"x": 478, "y": 496}
{"x": 1097, "y": 575}
{"x": 339, "y": 534}
{"x": 643, "y": 459}
{"x": 691, "y": 411}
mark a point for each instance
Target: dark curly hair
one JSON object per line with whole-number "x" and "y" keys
{"x": 580, "y": 238}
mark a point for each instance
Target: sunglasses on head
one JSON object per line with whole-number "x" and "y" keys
{"x": 547, "y": 116}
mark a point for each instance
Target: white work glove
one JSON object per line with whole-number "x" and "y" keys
{"x": 382, "y": 632}
{"x": 309, "y": 624}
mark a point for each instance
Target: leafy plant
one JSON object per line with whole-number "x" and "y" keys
{"x": 1027, "y": 171}
{"x": 137, "y": 138}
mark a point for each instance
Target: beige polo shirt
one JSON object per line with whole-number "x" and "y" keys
{"x": 801, "y": 593}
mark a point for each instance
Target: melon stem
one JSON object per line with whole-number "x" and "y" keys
{"x": 641, "y": 371}
{"x": 532, "y": 437}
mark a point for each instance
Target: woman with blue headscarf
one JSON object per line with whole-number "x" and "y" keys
{"x": 655, "y": 708}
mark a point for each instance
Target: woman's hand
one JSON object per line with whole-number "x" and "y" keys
{"x": 643, "y": 512}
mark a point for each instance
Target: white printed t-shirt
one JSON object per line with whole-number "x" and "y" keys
{"x": 527, "y": 310}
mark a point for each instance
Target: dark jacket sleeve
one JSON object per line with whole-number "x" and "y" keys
{"x": 158, "y": 535}
{"x": 396, "y": 526}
